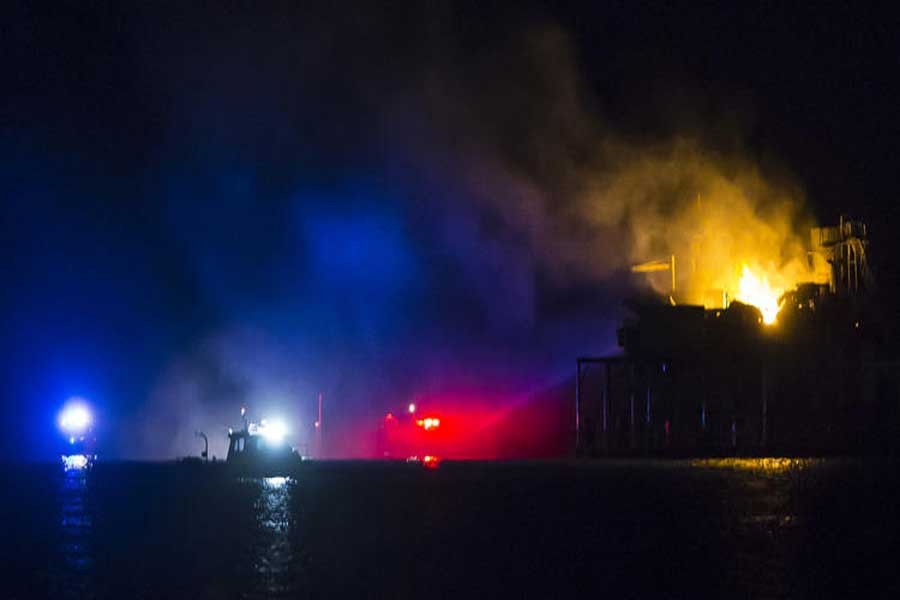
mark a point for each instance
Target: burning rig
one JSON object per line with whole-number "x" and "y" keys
{"x": 724, "y": 380}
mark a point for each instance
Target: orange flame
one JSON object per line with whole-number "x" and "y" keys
{"x": 757, "y": 292}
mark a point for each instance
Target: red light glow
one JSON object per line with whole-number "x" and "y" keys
{"x": 429, "y": 423}
{"x": 475, "y": 425}
{"x": 430, "y": 462}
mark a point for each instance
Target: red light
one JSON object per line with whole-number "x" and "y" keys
{"x": 429, "y": 423}
{"x": 430, "y": 462}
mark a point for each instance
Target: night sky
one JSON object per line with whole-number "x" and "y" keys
{"x": 210, "y": 204}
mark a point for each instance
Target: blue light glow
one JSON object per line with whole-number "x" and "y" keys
{"x": 75, "y": 418}
{"x": 75, "y": 462}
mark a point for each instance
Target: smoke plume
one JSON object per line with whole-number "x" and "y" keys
{"x": 455, "y": 215}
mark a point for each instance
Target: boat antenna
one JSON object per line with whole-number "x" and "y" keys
{"x": 205, "y": 453}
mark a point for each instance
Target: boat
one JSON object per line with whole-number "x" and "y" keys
{"x": 75, "y": 422}
{"x": 260, "y": 450}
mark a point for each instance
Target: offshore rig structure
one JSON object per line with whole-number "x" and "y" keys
{"x": 695, "y": 380}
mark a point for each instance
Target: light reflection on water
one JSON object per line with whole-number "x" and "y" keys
{"x": 765, "y": 512}
{"x": 762, "y": 465}
{"x": 708, "y": 528}
{"x": 273, "y": 554}
{"x": 76, "y": 525}
{"x": 266, "y": 566}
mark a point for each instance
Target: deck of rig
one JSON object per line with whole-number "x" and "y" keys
{"x": 693, "y": 380}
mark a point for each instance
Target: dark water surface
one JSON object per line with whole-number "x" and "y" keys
{"x": 754, "y": 528}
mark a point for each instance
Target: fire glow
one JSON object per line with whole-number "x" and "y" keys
{"x": 757, "y": 292}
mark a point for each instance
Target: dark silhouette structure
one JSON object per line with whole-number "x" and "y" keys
{"x": 692, "y": 380}
{"x": 252, "y": 454}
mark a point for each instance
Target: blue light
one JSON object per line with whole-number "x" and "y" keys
{"x": 75, "y": 418}
{"x": 76, "y": 462}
